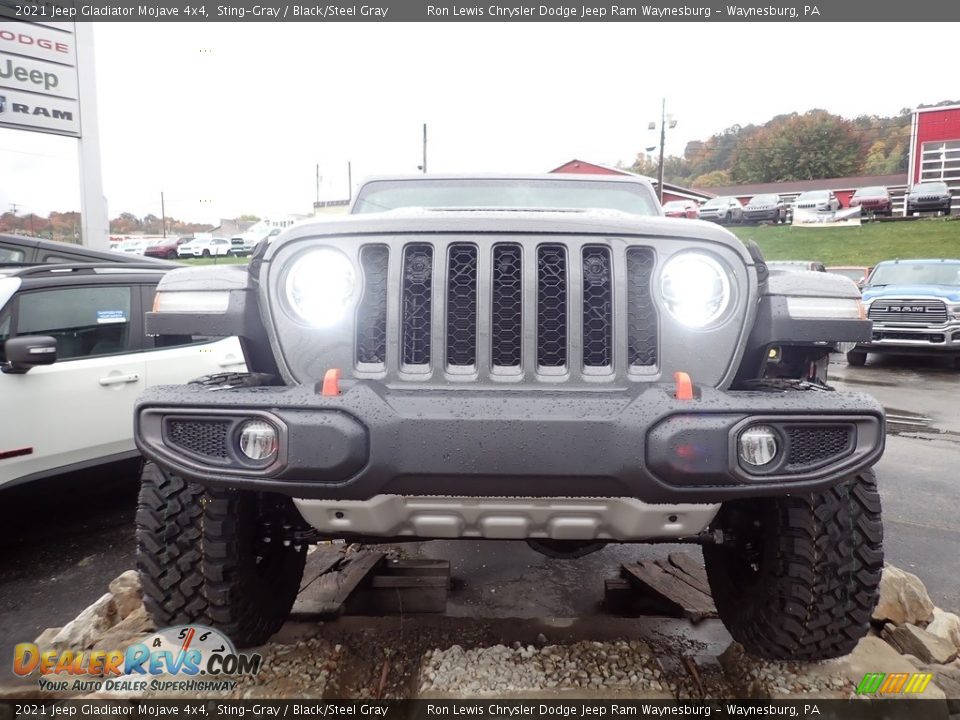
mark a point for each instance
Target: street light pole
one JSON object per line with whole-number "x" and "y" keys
{"x": 163, "y": 214}
{"x": 663, "y": 137}
{"x": 424, "y": 148}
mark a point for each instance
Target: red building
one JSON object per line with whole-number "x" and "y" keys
{"x": 935, "y": 147}
{"x": 670, "y": 191}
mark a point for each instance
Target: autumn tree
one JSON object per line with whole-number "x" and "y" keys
{"x": 799, "y": 147}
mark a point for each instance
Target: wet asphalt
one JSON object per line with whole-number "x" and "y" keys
{"x": 63, "y": 540}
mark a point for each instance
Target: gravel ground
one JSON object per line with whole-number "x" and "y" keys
{"x": 498, "y": 670}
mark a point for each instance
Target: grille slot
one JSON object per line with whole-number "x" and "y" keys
{"x": 206, "y": 438}
{"x": 641, "y": 313}
{"x": 506, "y": 321}
{"x": 810, "y": 447}
{"x": 462, "y": 306}
{"x": 417, "y": 304}
{"x": 597, "y": 308}
{"x": 551, "y": 306}
{"x": 910, "y": 311}
{"x": 371, "y": 330}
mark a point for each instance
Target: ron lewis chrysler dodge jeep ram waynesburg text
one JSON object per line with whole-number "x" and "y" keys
{"x": 566, "y": 377}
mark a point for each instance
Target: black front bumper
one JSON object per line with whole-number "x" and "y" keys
{"x": 640, "y": 443}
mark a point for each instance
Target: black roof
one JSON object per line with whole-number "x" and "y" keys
{"x": 79, "y": 250}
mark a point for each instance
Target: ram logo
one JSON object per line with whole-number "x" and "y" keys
{"x": 907, "y": 308}
{"x": 3, "y": 103}
{"x": 38, "y": 110}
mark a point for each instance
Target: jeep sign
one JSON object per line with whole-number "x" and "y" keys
{"x": 38, "y": 78}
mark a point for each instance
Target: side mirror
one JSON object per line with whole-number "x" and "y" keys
{"x": 28, "y": 351}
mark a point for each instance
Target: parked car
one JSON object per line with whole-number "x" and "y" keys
{"x": 681, "y": 209}
{"x": 518, "y": 415}
{"x": 166, "y": 248}
{"x": 15, "y": 249}
{"x": 796, "y": 265}
{"x": 915, "y": 309}
{"x": 929, "y": 197}
{"x": 874, "y": 200}
{"x": 818, "y": 201}
{"x": 765, "y": 208}
{"x": 857, "y": 273}
{"x": 723, "y": 210}
{"x": 205, "y": 247}
{"x": 133, "y": 246}
{"x": 74, "y": 356}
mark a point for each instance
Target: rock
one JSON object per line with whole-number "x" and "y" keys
{"x": 126, "y": 632}
{"x": 85, "y": 629}
{"x": 127, "y": 592}
{"x": 45, "y": 639}
{"x": 903, "y": 598}
{"x": 948, "y": 678}
{"x": 929, "y": 648}
{"x": 945, "y": 625}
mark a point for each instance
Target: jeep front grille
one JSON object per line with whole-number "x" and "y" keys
{"x": 893, "y": 311}
{"x": 506, "y": 320}
{"x": 550, "y": 308}
{"x": 371, "y": 340}
{"x": 417, "y": 303}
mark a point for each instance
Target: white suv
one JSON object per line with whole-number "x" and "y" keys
{"x": 205, "y": 247}
{"x": 74, "y": 357}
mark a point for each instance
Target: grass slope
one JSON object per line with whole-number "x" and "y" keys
{"x": 864, "y": 245}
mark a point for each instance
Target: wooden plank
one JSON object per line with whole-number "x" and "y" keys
{"x": 649, "y": 578}
{"x": 319, "y": 562}
{"x": 692, "y": 568}
{"x": 620, "y": 598}
{"x": 327, "y": 594}
{"x": 403, "y": 586}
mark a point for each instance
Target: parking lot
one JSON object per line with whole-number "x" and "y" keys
{"x": 61, "y": 541}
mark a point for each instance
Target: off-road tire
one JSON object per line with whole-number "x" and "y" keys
{"x": 801, "y": 576}
{"x": 856, "y": 358}
{"x": 201, "y": 559}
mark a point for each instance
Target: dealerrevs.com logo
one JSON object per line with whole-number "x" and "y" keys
{"x": 183, "y": 658}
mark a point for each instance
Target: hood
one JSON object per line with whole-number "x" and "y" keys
{"x": 950, "y": 293}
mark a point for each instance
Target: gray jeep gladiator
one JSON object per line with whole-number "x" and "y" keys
{"x": 543, "y": 359}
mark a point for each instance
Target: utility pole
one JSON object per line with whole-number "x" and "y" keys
{"x": 424, "y": 148}
{"x": 13, "y": 209}
{"x": 163, "y": 214}
{"x": 318, "y": 183}
{"x": 349, "y": 181}
{"x": 664, "y": 120}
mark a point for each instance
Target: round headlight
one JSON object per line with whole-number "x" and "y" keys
{"x": 758, "y": 445}
{"x": 320, "y": 285}
{"x": 258, "y": 440}
{"x": 695, "y": 288}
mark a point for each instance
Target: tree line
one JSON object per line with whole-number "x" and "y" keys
{"x": 798, "y": 146}
{"x": 66, "y": 226}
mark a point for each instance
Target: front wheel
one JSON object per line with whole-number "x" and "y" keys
{"x": 856, "y": 358}
{"x": 203, "y": 558}
{"x": 799, "y": 576}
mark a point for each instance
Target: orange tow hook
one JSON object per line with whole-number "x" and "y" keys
{"x": 684, "y": 386}
{"x": 331, "y": 383}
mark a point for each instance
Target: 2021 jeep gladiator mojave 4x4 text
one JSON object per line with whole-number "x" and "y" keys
{"x": 570, "y": 378}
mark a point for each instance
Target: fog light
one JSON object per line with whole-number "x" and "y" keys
{"x": 258, "y": 440}
{"x": 758, "y": 445}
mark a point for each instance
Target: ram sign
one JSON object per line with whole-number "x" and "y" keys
{"x": 38, "y": 78}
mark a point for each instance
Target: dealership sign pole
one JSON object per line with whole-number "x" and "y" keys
{"x": 46, "y": 78}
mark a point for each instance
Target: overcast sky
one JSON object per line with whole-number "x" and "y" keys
{"x": 233, "y": 118}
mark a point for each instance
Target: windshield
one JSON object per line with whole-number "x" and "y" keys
{"x": 916, "y": 274}
{"x": 870, "y": 191}
{"x": 716, "y": 202}
{"x": 814, "y": 195}
{"x": 765, "y": 200}
{"x": 383, "y": 195}
{"x": 855, "y": 274}
{"x": 675, "y": 205}
{"x": 931, "y": 187}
